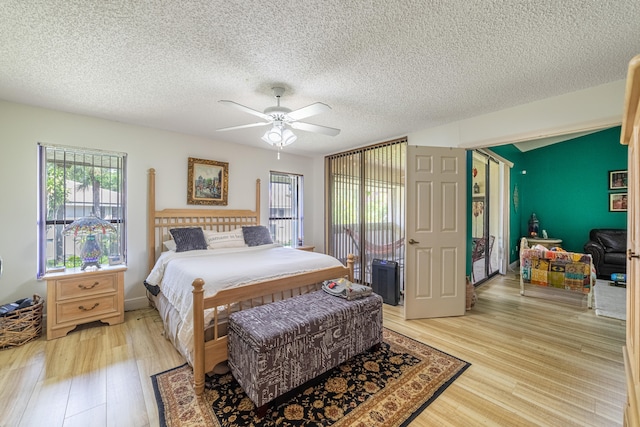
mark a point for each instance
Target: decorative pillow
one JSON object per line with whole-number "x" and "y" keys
{"x": 224, "y": 239}
{"x": 188, "y": 239}
{"x": 256, "y": 235}
{"x": 170, "y": 245}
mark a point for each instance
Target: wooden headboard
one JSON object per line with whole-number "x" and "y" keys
{"x": 159, "y": 222}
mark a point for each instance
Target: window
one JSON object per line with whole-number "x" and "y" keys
{"x": 74, "y": 183}
{"x": 286, "y": 209}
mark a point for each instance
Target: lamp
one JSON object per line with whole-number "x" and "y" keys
{"x": 89, "y": 226}
{"x": 278, "y": 135}
{"x": 534, "y": 225}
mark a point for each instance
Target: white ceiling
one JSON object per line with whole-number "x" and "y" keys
{"x": 387, "y": 68}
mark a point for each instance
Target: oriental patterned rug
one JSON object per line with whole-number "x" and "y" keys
{"x": 386, "y": 387}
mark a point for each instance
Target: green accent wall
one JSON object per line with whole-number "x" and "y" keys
{"x": 567, "y": 186}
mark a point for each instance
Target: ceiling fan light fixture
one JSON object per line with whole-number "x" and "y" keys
{"x": 273, "y": 135}
{"x": 279, "y": 136}
{"x": 288, "y": 137}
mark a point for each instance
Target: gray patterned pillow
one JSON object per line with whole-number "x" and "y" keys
{"x": 188, "y": 239}
{"x": 256, "y": 235}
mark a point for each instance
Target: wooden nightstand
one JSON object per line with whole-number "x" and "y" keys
{"x": 306, "y": 248}
{"x": 75, "y": 297}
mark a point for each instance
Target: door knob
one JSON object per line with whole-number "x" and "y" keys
{"x": 412, "y": 242}
{"x": 631, "y": 254}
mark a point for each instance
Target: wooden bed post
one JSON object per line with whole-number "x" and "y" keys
{"x": 198, "y": 336}
{"x": 151, "y": 219}
{"x": 350, "y": 263}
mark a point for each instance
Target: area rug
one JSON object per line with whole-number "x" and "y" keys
{"x": 610, "y": 301}
{"x": 387, "y": 387}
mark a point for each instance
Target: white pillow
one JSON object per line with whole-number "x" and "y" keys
{"x": 170, "y": 245}
{"x": 224, "y": 239}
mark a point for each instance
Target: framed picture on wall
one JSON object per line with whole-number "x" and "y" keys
{"x": 617, "y": 202}
{"x": 617, "y": 180}
{"x": 207, "y": 182}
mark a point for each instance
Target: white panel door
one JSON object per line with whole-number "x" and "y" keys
{"x": 435, "y": 232}
{"x": 633, "y": 260}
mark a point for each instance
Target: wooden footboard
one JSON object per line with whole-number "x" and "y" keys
{"x": 207, "y": 354}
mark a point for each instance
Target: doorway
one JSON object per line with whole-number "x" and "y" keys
{"x": 486, "y": 217}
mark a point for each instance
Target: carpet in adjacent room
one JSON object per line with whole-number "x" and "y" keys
{"x": 610, "y": 300}
{"x": 387, "y": 387}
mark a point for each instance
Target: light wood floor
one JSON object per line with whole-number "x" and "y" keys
{"x": 535, "y": 361}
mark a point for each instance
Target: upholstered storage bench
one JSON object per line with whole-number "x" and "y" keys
{"x": 564, "y": 270}
{"x": 277, "y": 347}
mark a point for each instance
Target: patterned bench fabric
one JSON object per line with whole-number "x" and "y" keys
{"x": 279, "y": 346}
{"x": 566, "y": 270}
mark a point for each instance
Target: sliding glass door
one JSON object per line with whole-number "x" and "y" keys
{"x": 485, "y": 222}
{"x": 366, "y": 206}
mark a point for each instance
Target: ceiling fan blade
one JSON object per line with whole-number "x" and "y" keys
{"x": 250, "y": 125}
{"x": 308, "y": 111}
{"x": 246, "y": 109}
{"x": 315, "y": 128}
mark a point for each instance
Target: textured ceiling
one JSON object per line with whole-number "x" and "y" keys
{"x": 387, "y": 68}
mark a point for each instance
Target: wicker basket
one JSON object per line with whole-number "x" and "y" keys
{"x": 21, "y": 326}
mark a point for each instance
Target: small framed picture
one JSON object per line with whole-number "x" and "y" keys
{"x": 207, "y": 182}
{"x": 617, "y": 202}
{"x": 617, "y": 180}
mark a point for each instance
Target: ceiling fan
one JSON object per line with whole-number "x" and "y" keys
{"x": 280, "y": 117}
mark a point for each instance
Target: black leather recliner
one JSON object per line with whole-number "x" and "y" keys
{"x": 608, "y": 248}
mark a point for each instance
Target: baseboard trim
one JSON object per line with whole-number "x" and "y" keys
{"x": 136, "y": 303}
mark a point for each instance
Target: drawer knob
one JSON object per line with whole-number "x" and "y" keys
{"x": 82, "y": 307}
{"x": 81, "y": 286}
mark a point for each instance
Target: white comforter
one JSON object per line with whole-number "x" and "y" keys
{"x": 174, "y": 273}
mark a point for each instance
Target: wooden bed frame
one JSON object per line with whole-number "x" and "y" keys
{"x": 207, "y": 354}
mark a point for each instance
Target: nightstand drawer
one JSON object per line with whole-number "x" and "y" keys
{"x": 80, "y": 309}
{"x": 80, "y": 287}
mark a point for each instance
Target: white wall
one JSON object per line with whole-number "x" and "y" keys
{"x": 318, "y": 209}
{"x": 22, "y": 127}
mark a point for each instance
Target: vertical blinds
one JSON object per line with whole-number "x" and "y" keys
{"x": 366, "y": 205}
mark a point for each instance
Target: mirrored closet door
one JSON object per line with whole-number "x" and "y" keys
{"x": 485, "y": 221}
